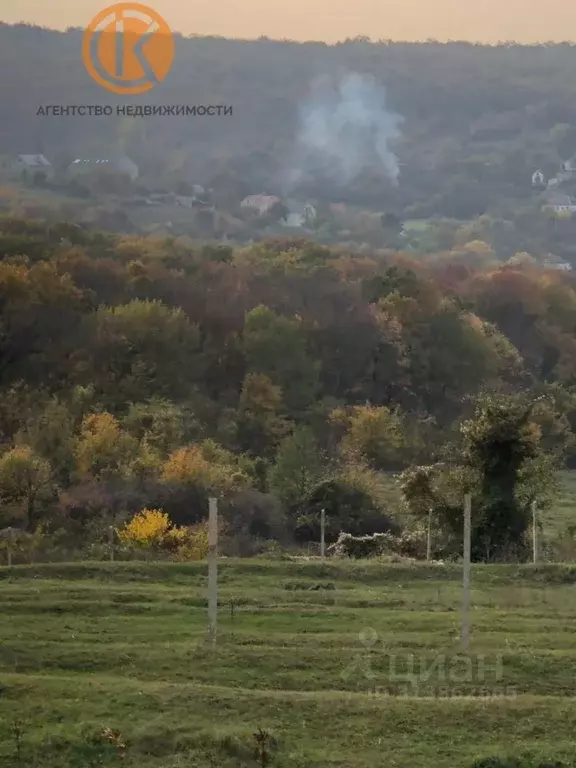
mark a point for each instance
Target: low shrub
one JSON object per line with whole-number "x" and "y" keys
{"x": 152, "y": 531}
{"x": 18, "y": 546}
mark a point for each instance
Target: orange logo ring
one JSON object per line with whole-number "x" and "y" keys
{"x": 128, "y": 48}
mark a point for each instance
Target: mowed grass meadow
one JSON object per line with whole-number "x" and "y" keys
{"x": 343, "y": 664}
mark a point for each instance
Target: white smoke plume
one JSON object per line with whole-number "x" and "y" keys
{"x": 345, "y": 127}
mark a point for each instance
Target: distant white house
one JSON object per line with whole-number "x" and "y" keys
{"x": 538, "y": 178}
{"x": 260, "y": 203}
{"x": 563, "y": 208}
{"x": 299, "y": 214}
{"x": 560, "y": 203}
{"x": 33, "y": 163}
{"x": 563, "y": 266}
{"x": 567, "y": 172}
{"x": 184, "y": 201}
{"x": 121, "y": 164}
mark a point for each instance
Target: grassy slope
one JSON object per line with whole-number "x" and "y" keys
{"x": 123, "y": 646}
{"x": 563, "y": 513}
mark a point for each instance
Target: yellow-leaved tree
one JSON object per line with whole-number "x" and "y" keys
{"x": 104, "y": 450}
{"x": 373, "y": 432}
{"x": 152, "y": 530}
{"x": 146, "y": 529}
{"x": 190, "y": 543}
{"x": 207, "y": 465}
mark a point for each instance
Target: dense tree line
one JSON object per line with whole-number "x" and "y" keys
{"x": 284, "y": 376}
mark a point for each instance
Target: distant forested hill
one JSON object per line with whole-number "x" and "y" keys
{"x": 478, "y": 120}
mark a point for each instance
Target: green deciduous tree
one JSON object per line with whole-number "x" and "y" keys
{"x": 51, "y": 435}
{"x": 276, "y": 347}
{"x": 26, "y": 487}
{"x": 300, "y": 466}
{"x": 38, "y": 309}
{"x": 501, "y": 462}
{"x": 501, "y": 440}
{"x": 355, "y": 500}
{"x": 139, "y": 351}
{"x": 162, "y": 423}
{"x": 260, "y": 422}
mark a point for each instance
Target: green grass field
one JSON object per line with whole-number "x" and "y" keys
{"x": 563, "y": 512}
{"x": 344, "y": 664}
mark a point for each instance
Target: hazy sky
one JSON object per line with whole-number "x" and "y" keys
{"x": 331, "y": 20}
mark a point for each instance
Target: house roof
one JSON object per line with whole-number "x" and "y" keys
{"x": 260, "y": 199}
{"x": 102, "y": 160}
{"x": 557, "y": 198}
{"x": 260, "y": 202}
{"x": 91, "y": 160}
{"x": 556, "y": 263}
{"x": 34, "y": 161}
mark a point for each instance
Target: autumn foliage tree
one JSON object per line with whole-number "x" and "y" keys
{"x": 104, "y": 450}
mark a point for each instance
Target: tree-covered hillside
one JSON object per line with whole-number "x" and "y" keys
{"x": 478, "y": 120}
{"x": 145, "y": 372}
